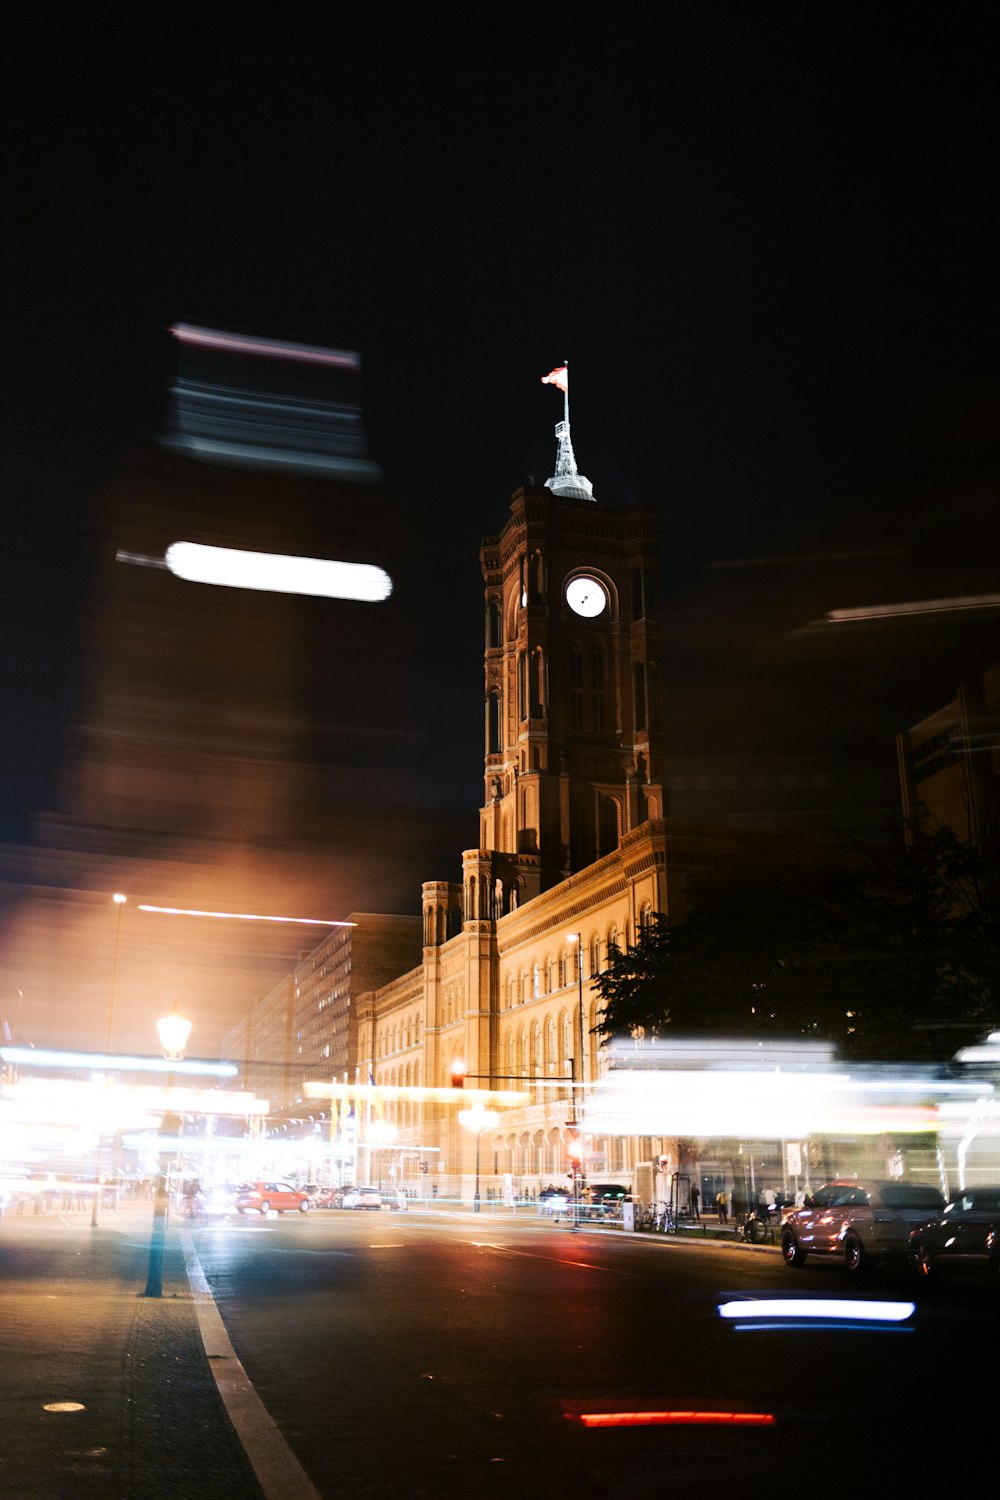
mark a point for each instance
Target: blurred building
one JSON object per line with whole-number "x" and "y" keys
{"x": 949, "y": 765}
{"x": 236, "y": 750}
{"x": 307, "y": 1026}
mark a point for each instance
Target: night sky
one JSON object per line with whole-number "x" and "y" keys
{"x": 764, "y": 236}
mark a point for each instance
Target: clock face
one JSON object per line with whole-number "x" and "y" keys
{"x": 586, "y": 596}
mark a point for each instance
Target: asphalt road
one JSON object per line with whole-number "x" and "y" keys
{"x": 425, "y": 1355}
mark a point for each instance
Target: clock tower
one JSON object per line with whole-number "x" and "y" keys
{"x": 574, "y": 756}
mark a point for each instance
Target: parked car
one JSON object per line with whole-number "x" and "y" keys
{"x": 362, "y": 1197}
{"x": 603, "y": 1200}
{"x": 862, "y": 1221}
{"x": 324, "y": 1197}
{"x": 966, "y": 1235}
{"x": 263, "y": 1196}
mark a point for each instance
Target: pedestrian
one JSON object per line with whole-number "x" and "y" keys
{"x": 722, "y": 1204}
{"x": 695, "y": 1197}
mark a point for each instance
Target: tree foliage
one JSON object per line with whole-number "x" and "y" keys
{"x": 887, "y": 949}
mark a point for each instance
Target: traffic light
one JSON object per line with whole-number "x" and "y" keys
{"x": 574, "y": 1145}
{"x": 458, "y": 1075}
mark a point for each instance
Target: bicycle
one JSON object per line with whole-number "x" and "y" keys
{"x": 752, "y": 1229}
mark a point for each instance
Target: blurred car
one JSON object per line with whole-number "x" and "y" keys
{"x": 554, "y": 1200}
{"x": 219, "y": 1200}
{"x": 261, "y": 1197}
{"x": 361, "y": 1197}
{"x": 862, "y": 1221}
{"x": 965, "y": 1236}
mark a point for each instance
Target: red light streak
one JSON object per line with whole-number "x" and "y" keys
{"x": 677, "y": 1419}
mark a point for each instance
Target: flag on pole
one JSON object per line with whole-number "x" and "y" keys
{"x": 559, "y": 376}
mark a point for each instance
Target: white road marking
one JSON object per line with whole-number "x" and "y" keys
{"x": 278, "y": 1471}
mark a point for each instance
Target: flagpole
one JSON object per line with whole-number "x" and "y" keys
{"x": 566, "y": 395}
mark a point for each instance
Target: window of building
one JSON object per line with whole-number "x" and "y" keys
{"x": 494, "y": 723}
{"x": 639, "y": 694}
{"x": 597, "y": 686}
{"x": 575, "y": 687}
{"x": 494, "y": 624}
{"x": 608, "y": 841}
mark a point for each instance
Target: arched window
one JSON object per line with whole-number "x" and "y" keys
{"x": 645, "y": 917}
{"x": 597, "y": 690}
{"x": 535, "y": 981}
{"x": 609, "y": 825}
{"x": 576, "y": 687}
{"x": 639, "y": 694}
{"x": 494, "y": 624}
{"x": 494, "y": 717}
{"x": 595, "y": 955}
{"x": 653, "y": 679}
{"x": 611, "y": 941}
{"x": 537, "y": 578}
{"x": 536, "y": 1050}
{"x": 550, "y": 1047}
{"x": 536, "y": 686}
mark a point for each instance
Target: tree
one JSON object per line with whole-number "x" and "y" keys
{"x": 887, "y": 950}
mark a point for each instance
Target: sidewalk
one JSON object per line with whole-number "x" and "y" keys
{"x": 148, "y": 1422}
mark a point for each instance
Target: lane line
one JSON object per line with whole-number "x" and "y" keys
{"x": 557, "y": 1260}
{"x": 278, "y": 1471}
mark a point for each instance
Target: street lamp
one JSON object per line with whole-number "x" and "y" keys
{"x": 578, "y": 1167}
{"x": 119, "y": 901}
{"x": 174, "y": 1031}
{"x": 477, "y": 1120}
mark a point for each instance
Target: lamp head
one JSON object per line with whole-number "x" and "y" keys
{"x": 174, "y": 1030}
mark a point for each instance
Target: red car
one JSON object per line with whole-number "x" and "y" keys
{"x": 263, "y": 1196}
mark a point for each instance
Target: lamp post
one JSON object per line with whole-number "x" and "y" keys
{"x": 477, "y": 1120}
{"x": 578, "y": 1167}
{"x": 119, "y": 901}
{"x": 174, "y": 1030}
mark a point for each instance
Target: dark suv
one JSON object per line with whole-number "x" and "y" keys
{"x": 861, "y": 1220}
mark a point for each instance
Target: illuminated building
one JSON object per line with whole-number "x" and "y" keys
{"x": 574, "y": 840}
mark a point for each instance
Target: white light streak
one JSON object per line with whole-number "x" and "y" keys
{"x": 240, "y": 916}
{"x": 914, "y": 607}
{"x": 276, "y": 573}
{"x": 825, "y": 1309}
{"x": 42, "y": 1057}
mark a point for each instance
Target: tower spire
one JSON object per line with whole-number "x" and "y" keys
{"x": 567, "y": 480}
